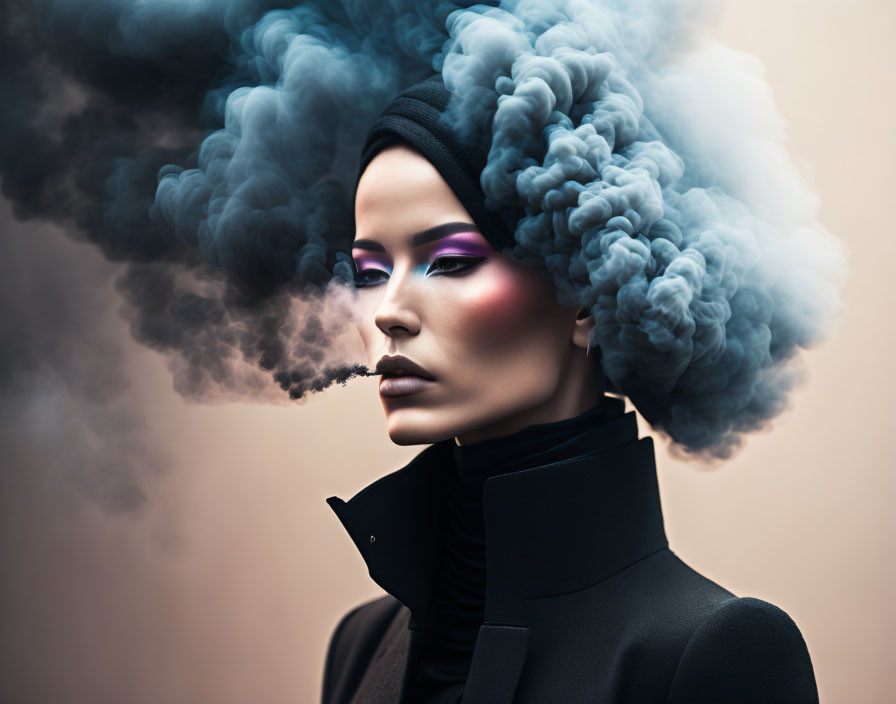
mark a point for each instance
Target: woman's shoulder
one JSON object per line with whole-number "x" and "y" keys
{"x": 371, "y": 615}
{"x": 712, "y": 644}
{"x": 745, "y": 650}
{"x": 354, "y": 640}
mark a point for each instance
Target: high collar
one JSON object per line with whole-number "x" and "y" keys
{"x": 541, "y": 444}
{"x": 550, "y": 529}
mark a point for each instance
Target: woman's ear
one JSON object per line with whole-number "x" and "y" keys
{"x": 582, "y": 330}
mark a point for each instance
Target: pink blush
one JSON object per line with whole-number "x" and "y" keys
{"x": 500, "y": 301}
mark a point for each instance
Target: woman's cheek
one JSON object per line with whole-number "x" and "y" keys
{"x": 497, "y": 307}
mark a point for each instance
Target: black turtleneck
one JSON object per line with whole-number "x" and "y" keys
{"x": 457, "y": 600}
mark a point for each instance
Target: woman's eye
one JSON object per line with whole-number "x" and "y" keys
{"x": 369, "y": 277}
{"x": 453, "y": 264}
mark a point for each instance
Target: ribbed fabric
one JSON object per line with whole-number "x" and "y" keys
{"x": 458, "y": 598}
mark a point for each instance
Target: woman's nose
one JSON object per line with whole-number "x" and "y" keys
{"x": 394, "y": 317}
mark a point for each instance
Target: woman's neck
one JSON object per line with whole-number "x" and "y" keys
{"x": 579, "y": 389}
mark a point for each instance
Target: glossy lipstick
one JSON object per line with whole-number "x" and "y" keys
{"x": 402, "y": 377}
{"x": 403, "y": 385}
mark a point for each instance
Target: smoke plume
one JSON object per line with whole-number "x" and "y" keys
{"x": 655, "y": 185}
{"x": 211, "y": 147}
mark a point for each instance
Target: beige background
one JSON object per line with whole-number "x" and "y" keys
{"x": 226, "y": 586}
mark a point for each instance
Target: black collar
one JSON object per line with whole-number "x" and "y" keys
{"x": 550, "y": 530}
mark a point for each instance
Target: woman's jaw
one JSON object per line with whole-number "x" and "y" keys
{"x": 426, "y": 417}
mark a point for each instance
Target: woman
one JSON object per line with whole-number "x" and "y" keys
{"x": 523, "y": 553}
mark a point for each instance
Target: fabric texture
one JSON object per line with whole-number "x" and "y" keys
{"x": 415, "y": 118}
{"x": 583, "y": 599}
{"x": 459, "y": 583}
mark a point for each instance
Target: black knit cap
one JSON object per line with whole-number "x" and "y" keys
{"x": 415, "y": 117}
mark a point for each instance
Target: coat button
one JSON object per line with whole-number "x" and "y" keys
{"x": 372, "y": 538}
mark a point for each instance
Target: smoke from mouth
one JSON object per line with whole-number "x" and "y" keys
{"x": 207, "y": 147}
{"x": 211, "y": 148}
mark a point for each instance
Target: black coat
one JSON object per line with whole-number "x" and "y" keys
{"x": 585, "y": 601}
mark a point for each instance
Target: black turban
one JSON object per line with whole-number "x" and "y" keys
{"x": 416, "y": 118}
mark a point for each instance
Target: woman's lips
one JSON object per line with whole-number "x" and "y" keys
{"x": 403, "y": 385}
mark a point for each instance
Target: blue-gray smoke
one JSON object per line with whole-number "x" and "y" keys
{"x": 651, "y": 179}
{"x": 655, "y": 186}
{"x": 101, "y": 100}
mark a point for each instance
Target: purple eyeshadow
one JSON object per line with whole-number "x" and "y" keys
{"x": 363, "y": 262}
{"x": 464, "y": 244}
{"x": 460, "y": 244}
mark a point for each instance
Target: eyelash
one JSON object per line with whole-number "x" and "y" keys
{"x": 372, "y": 277}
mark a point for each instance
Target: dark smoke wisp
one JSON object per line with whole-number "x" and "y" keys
{"x": 209, "y": 146}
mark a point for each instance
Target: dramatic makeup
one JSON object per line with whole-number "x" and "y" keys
{"x": 449, "y": 248}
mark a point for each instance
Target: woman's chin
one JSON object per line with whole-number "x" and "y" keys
{"x": 413, "y": 427}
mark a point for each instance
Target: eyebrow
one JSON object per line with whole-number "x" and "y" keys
{"x": 422, "y": 237}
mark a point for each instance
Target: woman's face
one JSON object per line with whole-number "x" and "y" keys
{"x": 494, "y": 351}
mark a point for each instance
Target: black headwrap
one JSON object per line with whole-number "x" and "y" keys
{"x": 416, "y": 117}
